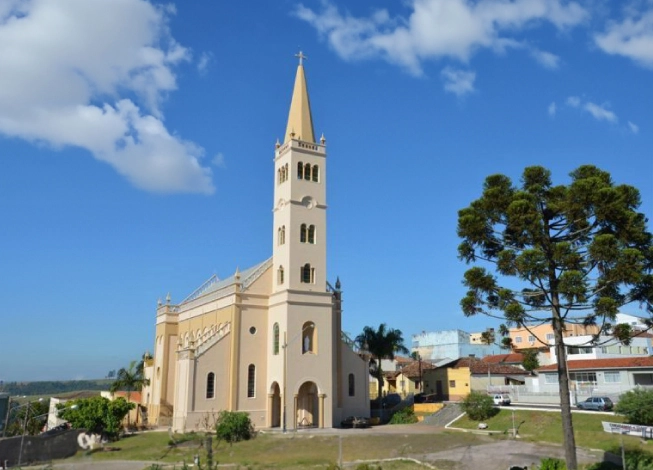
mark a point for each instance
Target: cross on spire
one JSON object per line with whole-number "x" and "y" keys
{"x": 301, "y": 57}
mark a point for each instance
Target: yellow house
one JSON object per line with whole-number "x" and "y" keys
{"x": 455, "y": 380}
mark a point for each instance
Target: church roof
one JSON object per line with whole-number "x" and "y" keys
{"x": 300, "y": 120}
{"x": 214, "y": 284}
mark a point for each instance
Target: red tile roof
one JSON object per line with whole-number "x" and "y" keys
{"x": 613, "y": 363}
{"x": 511, "y": 358}
{"x": 412, "y": 370}
{"x": 477, "y": 366}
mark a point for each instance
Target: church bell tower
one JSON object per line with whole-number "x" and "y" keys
{"x": 299, "y": 238}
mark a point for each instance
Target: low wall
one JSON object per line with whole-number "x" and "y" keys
{"x": 41, "y": 448}
{"x": 427, "y": 407}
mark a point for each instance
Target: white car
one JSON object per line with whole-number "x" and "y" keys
{"x": 501, "y": 399}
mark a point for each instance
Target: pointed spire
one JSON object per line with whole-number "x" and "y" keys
{"x": 300, "y": 121}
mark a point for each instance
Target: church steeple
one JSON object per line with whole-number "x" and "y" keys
{"x": 300, "y": 121}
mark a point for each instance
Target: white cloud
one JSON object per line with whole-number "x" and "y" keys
{"x": 546, "y": 59}
{"x": 573, "y": 101}
{"x": 94, "y": 75}
{"x": 552, "y": 109}
{"x": 219, "y": 160}
{"x": 600, "y": 113}
{"x": 205, "y": 59}
{"x": 632, "y": 38}
{"x": 439, "y": 28}
{"x": 634, "y": 128}
{"x": 457, "y": 81}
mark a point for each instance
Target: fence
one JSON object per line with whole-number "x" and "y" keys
{"x": 579, "y": 392}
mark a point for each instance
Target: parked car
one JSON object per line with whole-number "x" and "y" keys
{"x": 501, "y": 399}
{"x": 355, "y": 422}
{"x": 596, "y": 404}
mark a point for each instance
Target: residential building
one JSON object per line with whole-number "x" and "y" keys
{"x": 450, "y": 344}
{"x": 266, "y": 340}
{"x": 636, "y": 323}
{"x": 540, "y": 336}
{"x": 510, "y": 359}
{"x": 454, "y": 381}
{"x": 603, "y": 347}
{"x": 599, "y": 376}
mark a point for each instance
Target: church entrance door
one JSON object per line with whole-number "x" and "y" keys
{"x": 307, "y": 406}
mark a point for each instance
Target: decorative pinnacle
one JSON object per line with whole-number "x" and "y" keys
{"x": 168, "y": 298}
{"x": 322, "y": 139}
{"x": 277, "y": 144}
{"x": 301, "y": 57}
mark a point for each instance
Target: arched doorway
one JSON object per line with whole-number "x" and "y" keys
{"x": 307, "y": 406}
{"x": 275, "y": 405}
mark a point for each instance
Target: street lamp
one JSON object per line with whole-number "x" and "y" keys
{"x": 284, "y": 346}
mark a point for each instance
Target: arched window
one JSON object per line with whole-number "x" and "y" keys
{"x": 311, "y": 234}
{"x": 316, "y": 173}
{"x": 279, "y": 176}
{"x": 285, "y": 172}
{"x": 307, "y": 172}
{"x": 281, "y": 235}
{"x": 275, "y": 339}
{"x": 307, "y": 274}
{"x": 280, "y": 275}
{"x": 300, "y": 170}
{"x": 352, "y": 385}
{"x": 303, "y": 232}
{"x": 210, "y": 385}
{"x": 309, "y": 338}
{"x": 251, "y": 381}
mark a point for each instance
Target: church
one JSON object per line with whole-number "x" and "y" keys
{"x": 267, "y": 340}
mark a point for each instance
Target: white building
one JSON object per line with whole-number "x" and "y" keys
{"x": 605, "y": 347}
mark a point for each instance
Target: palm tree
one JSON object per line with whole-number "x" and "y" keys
{"x": 130, "y": 380}
{"x": 382, "y": 343}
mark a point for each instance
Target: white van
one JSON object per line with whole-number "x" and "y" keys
{"x": 501, "y": 399}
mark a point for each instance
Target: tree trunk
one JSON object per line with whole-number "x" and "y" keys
{"x": 569, "y": 441}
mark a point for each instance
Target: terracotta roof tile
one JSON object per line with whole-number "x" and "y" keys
{"x": 412, "y": 369}
{"x": 612, "y": 363}
{"x": 511, "y": 358}
{"x": 477, "y": 366}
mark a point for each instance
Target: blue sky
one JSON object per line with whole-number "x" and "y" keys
{"x": 136, "y": 141}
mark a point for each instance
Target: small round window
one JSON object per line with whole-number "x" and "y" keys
{"x": 252, "y": 330}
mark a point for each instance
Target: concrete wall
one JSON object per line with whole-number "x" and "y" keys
{"x": 41, "y": 448}
{"x": 453, "y": 344}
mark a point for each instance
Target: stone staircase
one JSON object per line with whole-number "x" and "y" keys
{"x": 443, "y": 417}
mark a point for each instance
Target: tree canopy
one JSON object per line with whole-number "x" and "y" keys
{"x": 97, "y": 415}
{"x": 381, "y": 343}
{"x": 564, "y": 254}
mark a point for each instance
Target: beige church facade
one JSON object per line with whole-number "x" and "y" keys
{"x": 267, "y": 340}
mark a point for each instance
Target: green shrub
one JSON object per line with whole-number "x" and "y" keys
{"x": 552, "y": 464}
{"x": 637, "y": 406}
{"x": 637, "y": 459}
{"x": 405, "y": 416}
{"x": 234, "y": 426}
{"x": 479, "y": 406}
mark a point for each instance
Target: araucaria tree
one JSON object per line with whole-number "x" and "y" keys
{"x": 382, "y": 343}
{"x": 568, "y": 254}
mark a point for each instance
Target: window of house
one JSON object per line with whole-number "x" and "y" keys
{"x": 612, "y": 377}
{"x": 550, "y": 336}
{"x": 517, "y": 339}
{"x": 303, "y": 233}
{"x": 452, "y": 384}
{"x": 583, "y": 377}
{"x": 251, "y": 381}
{"x": 275, "y": 339}
{"x": 307, "y": 274}
{"x": 551, "y": 378}
{"x": 300, "y": 170}
{"x": 311, "y": 234}
{"x": 307, "y": 172}
{"x": 579, "y": 350}
{"x": 280, "y": 275}
{"x": 281, "y": 235}
{"x": 309, "y": 338}
{"x": 315, "y": 175}
{"x": 531, "y": 339}
{"x": 210, "y": 385}
{"x": 352, "y": 385}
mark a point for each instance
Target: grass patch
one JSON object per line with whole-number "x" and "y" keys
{"x": 545, "y": 426}
{"x": 294, "y": 451}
